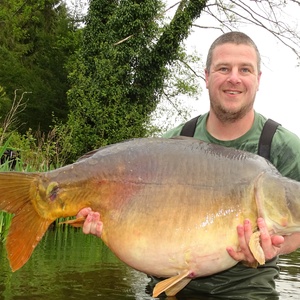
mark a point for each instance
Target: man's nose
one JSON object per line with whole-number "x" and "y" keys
{"x": 234, "y": 76}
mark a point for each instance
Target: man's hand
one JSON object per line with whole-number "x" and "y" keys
{"x": 92, "y": 223}
{"x": 271, "y": 245}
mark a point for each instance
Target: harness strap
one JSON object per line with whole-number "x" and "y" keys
{"x": 189, "y": 127}
{"x": 265, "y": 140}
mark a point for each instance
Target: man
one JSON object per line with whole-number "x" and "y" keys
{"x": 232, "y": 78}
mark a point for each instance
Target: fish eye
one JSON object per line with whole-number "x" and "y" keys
{"x": 52, "y": 191}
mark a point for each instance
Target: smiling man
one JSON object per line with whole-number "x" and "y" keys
{"x": 233, "y": 72}
{"x": 232, "y": 78}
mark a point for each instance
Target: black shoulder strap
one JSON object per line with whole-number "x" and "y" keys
{"x": 189, "y": 127}
{"x": 265, "y": 140}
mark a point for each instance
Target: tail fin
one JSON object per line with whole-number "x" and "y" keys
{"x": 27, "y": 227}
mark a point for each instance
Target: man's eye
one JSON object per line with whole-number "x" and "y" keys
{"x": 245, "y": 70}
{"x": 223, "y": 69}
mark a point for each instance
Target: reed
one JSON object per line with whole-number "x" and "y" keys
{"x": 5, "y": 218}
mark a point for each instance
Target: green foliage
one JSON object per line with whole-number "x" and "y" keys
{"x": 5, "y": 103}
{"x": 121, "y": 69}
{"x": 9, "y": 122}
{"x": 103, "y": 108}
{"x": 5, "y": 221}
{"x": 117, "y": 77}
{"x": 36, "y": 40}
{"x": 40, "y": 151}
{"x": 5, "y": 218}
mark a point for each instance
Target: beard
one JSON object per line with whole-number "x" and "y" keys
{"x": 226, "y": 115}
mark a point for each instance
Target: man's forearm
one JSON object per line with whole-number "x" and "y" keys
{"x": 290, "y": 244}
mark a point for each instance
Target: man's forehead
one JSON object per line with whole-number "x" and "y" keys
{"x": 232, "y": 53}
{"x": 234, "y": 49}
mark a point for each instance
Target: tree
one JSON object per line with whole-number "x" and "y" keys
{"x": 36, "y": 41}
{"x": 119, "y": 76}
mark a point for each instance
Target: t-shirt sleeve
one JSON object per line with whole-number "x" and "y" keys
{"x": 173, "y": 132}
{"x": 285, "y": 153}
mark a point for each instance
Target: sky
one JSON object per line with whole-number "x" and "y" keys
{"x": 278, "y": 97}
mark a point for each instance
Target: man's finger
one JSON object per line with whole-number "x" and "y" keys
{"x": 84, "y": 212}
{"x": 270, "y": 250}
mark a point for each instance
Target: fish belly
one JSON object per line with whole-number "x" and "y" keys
{"x": 167, "y": 229}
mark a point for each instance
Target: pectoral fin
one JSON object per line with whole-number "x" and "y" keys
{"x": 172, "y": 285}
{"x": 256, "y": 249}
{"x": 78, "y": 222}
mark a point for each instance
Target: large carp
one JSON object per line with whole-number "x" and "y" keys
{"x": 169, "y": 207}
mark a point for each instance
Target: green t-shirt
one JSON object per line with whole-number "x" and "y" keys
{"x": 285, "y": 149}
{"x": 241, "y": 281}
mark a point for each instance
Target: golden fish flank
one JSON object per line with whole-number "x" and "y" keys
{"x": 169, "y": 207}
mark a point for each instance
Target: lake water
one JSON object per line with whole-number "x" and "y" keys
{"x": 70, "y": 265}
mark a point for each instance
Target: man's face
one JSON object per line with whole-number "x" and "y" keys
{"x": 232, "y": 81}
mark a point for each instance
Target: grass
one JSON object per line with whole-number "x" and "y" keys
{"x": 5, "y": 218}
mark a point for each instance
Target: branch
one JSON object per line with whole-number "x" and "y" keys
{"x": 11, "y": 118}
{"x": 266, "y": 14}
{"x": 190, "y": 68}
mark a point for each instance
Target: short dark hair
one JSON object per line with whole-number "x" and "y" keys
{"x": 232, "y": 37}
